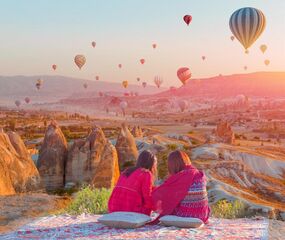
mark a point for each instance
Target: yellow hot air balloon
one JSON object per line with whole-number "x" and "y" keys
{"x": 263, "y": 48}
{"x": 267, "y": 62}
{"x": 247, "y": 24}
{"x": 80, "y": 60}
{"x": 125, "y": 84}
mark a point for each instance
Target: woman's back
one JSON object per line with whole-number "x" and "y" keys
{"x": 132, "y": 193}
{"x": 195, "y": 203}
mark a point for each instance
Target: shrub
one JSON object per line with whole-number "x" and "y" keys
{"x": 226, "y": 209}
{"x": 172, "y": 146}
{"x": 89, "y": 200}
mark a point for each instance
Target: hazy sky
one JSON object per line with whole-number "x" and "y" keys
{"x": 38, "y": 33}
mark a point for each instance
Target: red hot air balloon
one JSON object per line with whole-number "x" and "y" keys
{"x": 93, "y": 44}
{"x": 154, "y": 45}
{"x": 187, "y": 19}
{"x": 85, "y": 85}
{"x": 144, "y": 84}
{"x": 142, "y": 61}
{"x": 54, "y": 67}
{"x": 138, "y": 79}
{"x": 97, "y": 78}
{"x": 27, "y": 100}
{"x": 203, "y": 57}
{"x": 184, "y": 74}
{"x": 245, "y": 68}
{"x": 120, "y": 65}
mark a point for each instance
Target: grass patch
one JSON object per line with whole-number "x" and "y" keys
{"x": 230, "y": 210}
{"x": 89, "y": 200}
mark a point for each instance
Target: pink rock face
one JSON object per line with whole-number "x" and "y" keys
{"x": 93, "y": 160}
{"x": 52, "y": 157}
{"x": 224, "y": 133}
{"x": 126, "y": 148}
{"x": 17, "y": 170}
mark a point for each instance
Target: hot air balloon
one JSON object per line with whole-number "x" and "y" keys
{"x": 120, "y": 65}
{"x": 125, "y": 84}
{"x": 18, "y": 103}
{"x": 138, "y": 79}
{"x": 97, "y": 78}
{"x": 184, "y": 74}
{"x": 187, "y": 19}
{"x": 182, "y": 105}
{"x": 144, "y": 84}
{"x": 158, "y": 81}
{"x": 203, "y": 58}
{"x": 85, "y": 85}
{"x": 101, "y": 94}
{"x": 123, "y": 106}
{"x": 39, "y": 83}
{"x": 142, "y": 61}
{"x": 93, "y": 44}
{"x": 232, "y": 38}
{"x": 154, "y": 45}
{"x": 245, "y": 68}
{"x": 27, "y": 100}
{"x": 266, "y": 62}
{"x": 263, "y": 48}
{"x": 54, "y": 67}
{"x": 80, "y": 60}
{"x": 247, "y": 24}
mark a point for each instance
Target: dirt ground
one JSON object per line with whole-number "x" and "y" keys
{"x": 276, "y": 230}
{"x": 20, "y": 209}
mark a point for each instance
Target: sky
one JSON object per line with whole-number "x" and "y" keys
{"x": 38, "y": 33}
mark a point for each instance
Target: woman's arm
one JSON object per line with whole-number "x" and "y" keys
{"x": 146, "y": 192}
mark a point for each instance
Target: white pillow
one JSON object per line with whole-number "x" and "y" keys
{"x": 181, "y": 222}
{"x": 124, "y": 219}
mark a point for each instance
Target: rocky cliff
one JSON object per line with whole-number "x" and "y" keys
{"x": 17, "y": 170}
{"x": 52, "y": 157}
{"x": 126, "y": 148}
{"x": 93, "y": 160}
{"x": 251, "y": 174}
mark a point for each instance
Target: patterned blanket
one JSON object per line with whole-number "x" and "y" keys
{"x": 86, "y": 227}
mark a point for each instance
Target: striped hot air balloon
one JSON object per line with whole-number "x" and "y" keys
{"x": 79, "y": 60}
{"x": 247, "y": 24}
{"x": 184, "y": 74}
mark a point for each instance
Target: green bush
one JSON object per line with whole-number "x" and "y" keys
{"x": 226, "y": 209}
{"x": 172, "y": 146}
{"x": 89, "y": 200}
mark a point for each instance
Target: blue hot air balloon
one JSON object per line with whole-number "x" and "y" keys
{"x": 247, "y": 24}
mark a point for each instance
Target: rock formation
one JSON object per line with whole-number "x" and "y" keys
{"x": 17, "y": 170}
{"x": 137, "y": 131}
{"x": 107, "y": 172}
{"x": 93, "y": 160}
{"x": 253, "y": 174}
{"x": 52, "y": 157}
{"x": 126, "y": 148}
{"x": 224, "y": 133}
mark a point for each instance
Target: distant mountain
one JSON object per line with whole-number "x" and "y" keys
{"x": 58, "y": 87}
{"x": 259, "y": 84}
